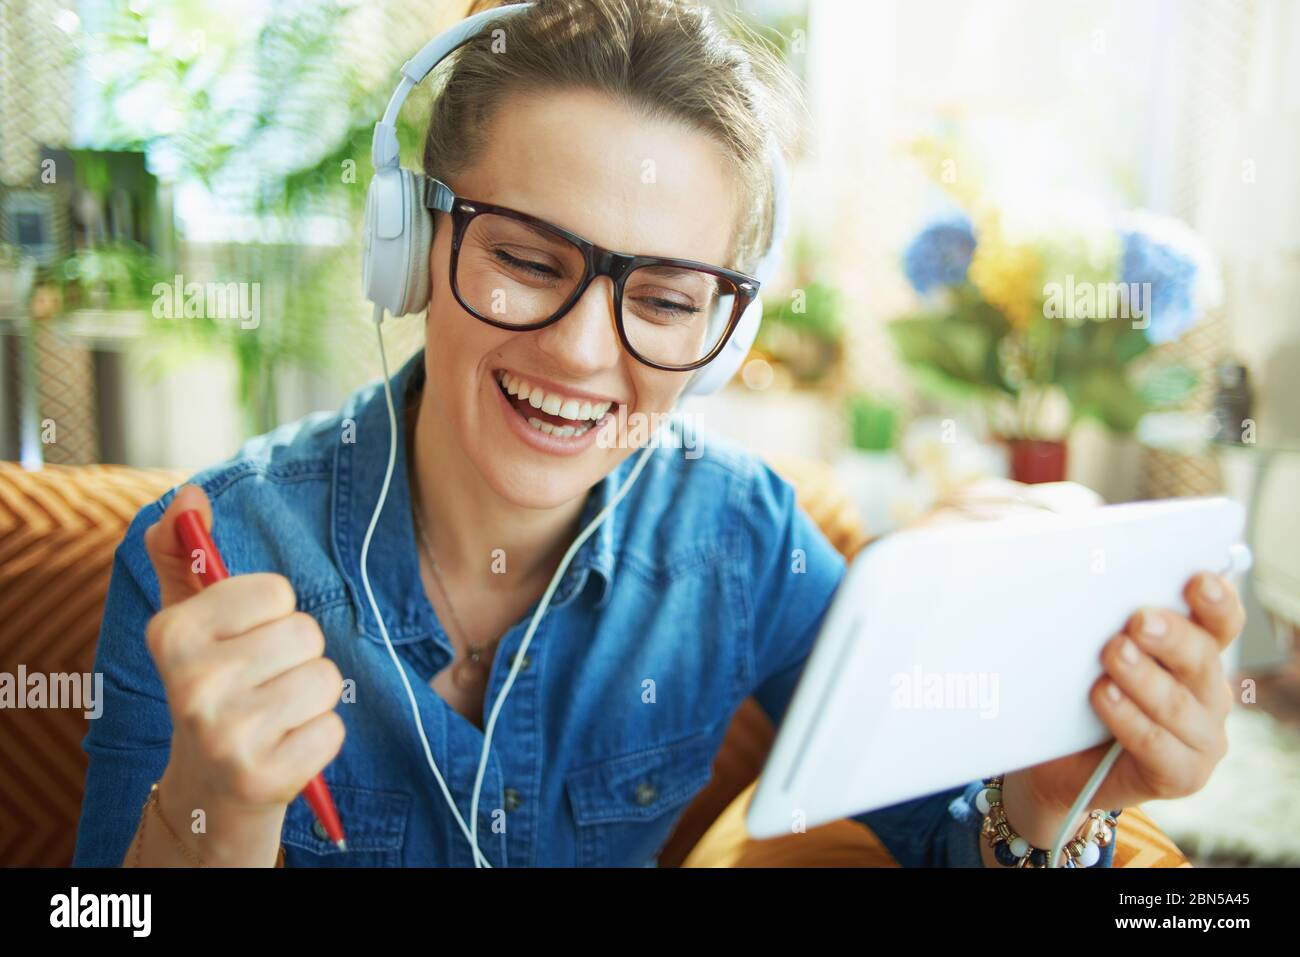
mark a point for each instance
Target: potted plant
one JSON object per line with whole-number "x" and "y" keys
{"x": 1052, "y": 317}
{"x": 871, "y": 467}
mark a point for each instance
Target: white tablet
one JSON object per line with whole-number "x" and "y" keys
{"x": 955, "y": 652}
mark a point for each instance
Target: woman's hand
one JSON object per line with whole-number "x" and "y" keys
{"x": 1165, "y": 698}
{"x": 251, "y": 697}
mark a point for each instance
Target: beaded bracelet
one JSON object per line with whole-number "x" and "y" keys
{"x": 1011, "y": 850}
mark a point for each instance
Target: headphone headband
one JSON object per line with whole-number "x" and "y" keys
{"x": 383, "y": 145}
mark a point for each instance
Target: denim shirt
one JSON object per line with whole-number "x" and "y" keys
{"x": 680, "y": 606}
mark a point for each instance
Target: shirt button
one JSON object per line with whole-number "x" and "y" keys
{"x": 646, "y": 793}
{"x": 319, "y": 830}
{"x": 513, "y": 799}
{"x": 525, "y": 663}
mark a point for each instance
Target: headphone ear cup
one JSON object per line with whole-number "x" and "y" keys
{"x": 420, "y": 219}
{"x": 397, "y": 234}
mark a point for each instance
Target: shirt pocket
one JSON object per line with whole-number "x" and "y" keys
{"x": 624, "y": 807}
{"x": 374, "y": 826}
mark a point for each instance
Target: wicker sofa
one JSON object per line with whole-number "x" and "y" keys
{"x": 58, "y": 529}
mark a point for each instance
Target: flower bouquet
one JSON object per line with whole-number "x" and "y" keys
{"x": 1051, "y": 317}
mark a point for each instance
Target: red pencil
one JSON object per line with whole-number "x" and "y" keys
{"x": 195, "y": 538}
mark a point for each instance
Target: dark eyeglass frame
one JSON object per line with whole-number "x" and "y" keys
{"x": 599, "y": 262}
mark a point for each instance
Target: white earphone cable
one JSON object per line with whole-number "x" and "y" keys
{"x": 1083, "y": 800}
{"x": 532, "y": 628}
{"x": 374, "y": 606}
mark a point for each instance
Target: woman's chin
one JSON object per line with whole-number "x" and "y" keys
{"x": 539, "y": 487}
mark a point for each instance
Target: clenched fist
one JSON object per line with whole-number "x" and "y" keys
{"x": 251, "y": 696}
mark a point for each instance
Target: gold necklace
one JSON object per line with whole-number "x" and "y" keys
{"x": 468, "y": 671}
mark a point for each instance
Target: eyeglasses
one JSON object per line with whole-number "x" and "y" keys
{"x": 515, "y": 271}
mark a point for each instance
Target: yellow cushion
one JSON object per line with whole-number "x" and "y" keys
{"x": 846, "y": 843}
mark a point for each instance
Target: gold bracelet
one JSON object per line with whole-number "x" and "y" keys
{"x": 191, "y": 856}
{"x": 152, "y": 802}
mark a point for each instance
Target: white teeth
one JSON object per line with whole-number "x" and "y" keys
{"x": 580, "y": 411}
{"x": 561, "y": 431}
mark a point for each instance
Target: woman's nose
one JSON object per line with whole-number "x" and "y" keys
{"x": 586, "y": 339}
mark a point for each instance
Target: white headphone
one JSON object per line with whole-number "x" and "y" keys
{"x": 398, "y": 229}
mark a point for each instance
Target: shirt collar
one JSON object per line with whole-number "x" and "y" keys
{"x": 361, "y": 458}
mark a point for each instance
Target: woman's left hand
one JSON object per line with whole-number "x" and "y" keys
{"x": 1165, "y": 698}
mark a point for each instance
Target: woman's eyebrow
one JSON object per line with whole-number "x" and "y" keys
{"x": 667, "y": 272}
{"x": 542, "y": 233}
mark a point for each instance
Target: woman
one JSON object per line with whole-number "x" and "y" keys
{"x": 637, "y": 125}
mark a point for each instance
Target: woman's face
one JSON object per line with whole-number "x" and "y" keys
{"x": 582, "y": 161}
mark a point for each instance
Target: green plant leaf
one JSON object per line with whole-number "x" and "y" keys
{"x": 873, "y": 423}
{"x": 1167, "y": 386}
{"x": 1106, "y": 395}
{"x": 1129, "y": 343}
{"x": 957, "y": 349}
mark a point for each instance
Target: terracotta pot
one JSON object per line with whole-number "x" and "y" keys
{"x": 1037, "y": 460}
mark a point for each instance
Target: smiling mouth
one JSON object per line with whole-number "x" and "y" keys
{"x": 552, "y": 413}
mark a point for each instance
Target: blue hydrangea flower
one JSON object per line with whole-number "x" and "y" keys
{"x": 1171, "y": 309}
{"x": 940, "y": 254}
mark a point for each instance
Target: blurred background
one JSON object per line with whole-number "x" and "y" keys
{"x": 1030, "y": 241}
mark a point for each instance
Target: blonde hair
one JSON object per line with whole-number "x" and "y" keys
{"x": 669, "y": 59}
